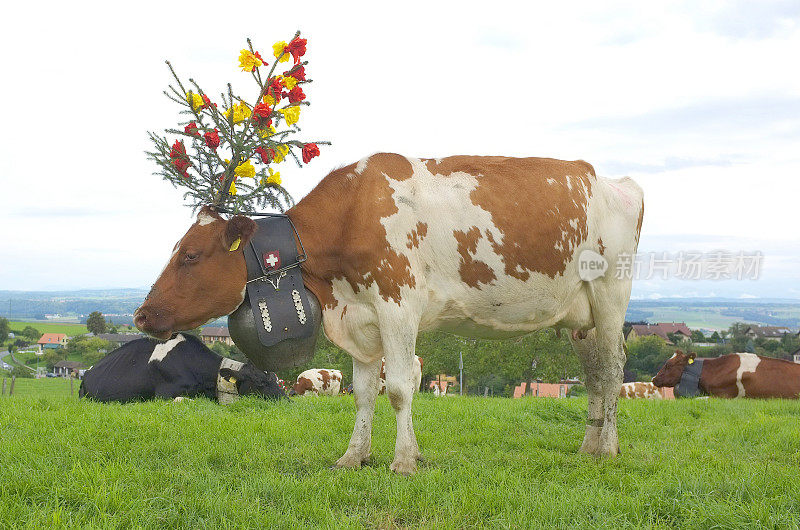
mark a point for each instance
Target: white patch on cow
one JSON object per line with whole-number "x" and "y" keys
{"x": 551, "y": 181}
{"x": 161, "y": 350}
{"x": 205, "y": 219}
{"x": 748, "y": 362}
{"x": 317, "y": 381}
{"x": 361, "y": 166}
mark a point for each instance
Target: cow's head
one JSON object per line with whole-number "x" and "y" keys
{"x": 252, "y": 381}
{"x": 670, "y": 374}
{"x": 204, "y": 278}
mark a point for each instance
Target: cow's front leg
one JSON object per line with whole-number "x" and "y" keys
{"x": 365, "y": 390}
{"x": 399, "y": 352}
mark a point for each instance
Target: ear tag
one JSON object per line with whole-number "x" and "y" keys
{"x": 235, "y": 244}
{"x": 691, "y": 361}
{"x": 232, "y": 380}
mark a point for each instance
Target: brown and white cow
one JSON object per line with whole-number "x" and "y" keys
{"x": 736, "y": 375}
{"x": 485, "y": 247}
{"x": 639, "y": 390}
{"x": 416, "y": 375}
{"x": 318, "y": 382}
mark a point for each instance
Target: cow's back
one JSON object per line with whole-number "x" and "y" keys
{"x": 122, "y": 375}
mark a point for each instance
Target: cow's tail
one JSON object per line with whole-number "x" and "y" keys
{"x": 82, "y": 390}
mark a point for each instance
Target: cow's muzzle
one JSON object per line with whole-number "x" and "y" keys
{"x": 152, "y": 322}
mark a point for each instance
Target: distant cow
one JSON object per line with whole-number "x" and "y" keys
{"x": 318, "y": 382}
{"x": 182, "y": 366}
{"x": 640, "y": 390}
{"x": 731, "y": 376}
{"x": 416, "y": 375}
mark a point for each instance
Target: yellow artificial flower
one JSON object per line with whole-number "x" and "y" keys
{"x": 291, "y": 114}
{"x": 248, "y": 61}
{"x": 240, "y": 112}
{"x": 274, "y": 177}
{"x": 195, "y": 100}
{"x": 245, "y": 170}
{"x": 269, "y": 100}
{"x": 277, "y": 50}
{"x": 233, "y": 188}
{"x": 266, "y": 133}
{"x": 289, "y": 82}
{"x": 280, "y": 153}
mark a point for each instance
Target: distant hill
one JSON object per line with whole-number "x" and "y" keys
{"x": 708, "y": 313}
{"x": 71, "y": 305}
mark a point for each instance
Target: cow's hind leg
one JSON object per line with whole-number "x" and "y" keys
{"x": 603, "y": 359}
{"x": 365, "y": 390}
{"x": 586, "y": 349}
{"x": 398, "y": 348}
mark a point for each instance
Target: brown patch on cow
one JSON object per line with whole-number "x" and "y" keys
{"x": 472, "y": 272}
{"x": 340, "y": 224}
{"x": 416, "y": 235}
{"x": 302, "y": 386}
{"x": 326, "y": 379}
{"x": 344, "y": 312}
{"x": 541, "y": 217}
{"x": 382, "y": 376}
{"x": 600, "y": 246}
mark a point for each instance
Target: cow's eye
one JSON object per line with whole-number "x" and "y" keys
{"x": 191, "y": 257}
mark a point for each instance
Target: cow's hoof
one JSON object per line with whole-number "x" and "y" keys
{"x": 349, "y": 461}
{"x": 405, "y": 468}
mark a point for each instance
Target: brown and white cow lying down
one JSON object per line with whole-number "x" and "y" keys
{"x": 318, "y": 382}
{"x": 736, "y": 375}
{"x": 416, "y": 375}
{"x": 640, "y": 390}
{"x": 484, "y": 247}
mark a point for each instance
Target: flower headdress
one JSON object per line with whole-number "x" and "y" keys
{"x": 230, "y": 151}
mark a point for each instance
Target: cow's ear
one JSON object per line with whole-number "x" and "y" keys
{"x": 678, "y": 352}
{"x": 238, "y": 231}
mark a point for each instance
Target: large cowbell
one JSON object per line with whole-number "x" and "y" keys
{"x": 277, "y": 324}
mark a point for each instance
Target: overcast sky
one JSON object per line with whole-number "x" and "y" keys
{"x": 698, "y": 101}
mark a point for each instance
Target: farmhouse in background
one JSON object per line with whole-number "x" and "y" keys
{"x": 537, "y": 389}
{"x": 50, "y": 341}
{"x": 120, "y": 339}
{"x": 65, "y": 368}
{"x": 211, "y": 334}
{"x": 796, "y": 356}
{"x": 767, "y": 332}
{"x": 443, "y": 382}
{"x": 679, "y": 329}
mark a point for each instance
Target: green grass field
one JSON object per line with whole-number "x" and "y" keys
{"x": 50, "y": 327}
{"x": 493, "y": 462}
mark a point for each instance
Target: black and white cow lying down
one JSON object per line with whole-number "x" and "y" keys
{"x": 182, "y": 366}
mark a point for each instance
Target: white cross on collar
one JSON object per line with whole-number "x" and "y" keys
{"x": 272, "y": 260}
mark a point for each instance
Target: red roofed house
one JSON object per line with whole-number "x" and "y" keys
{"x": 554, "y": 390}
{"x": 52, "y": 341}
{"x": 211, "y": 334}
{"x": 662, "y": 329}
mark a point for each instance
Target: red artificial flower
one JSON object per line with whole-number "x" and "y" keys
{"x": 309, "y": 152}
{"x": 191, "y": 129}
{"x": 265, "y": 158}
{"x": 261, "y": 114}
{"x": 275, "y": 87}
{"x": 297, "y": 73}
{"x": 297, "y": 48}
{"x": 178, "y": 150}
{"x": 296, "y": 95}
{"x": 212, "y": 138}
{"x": 261, "y": 59}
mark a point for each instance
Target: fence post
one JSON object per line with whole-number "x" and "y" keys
{"x": 71, "y": 392}
{"x": 11, "y": 390}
